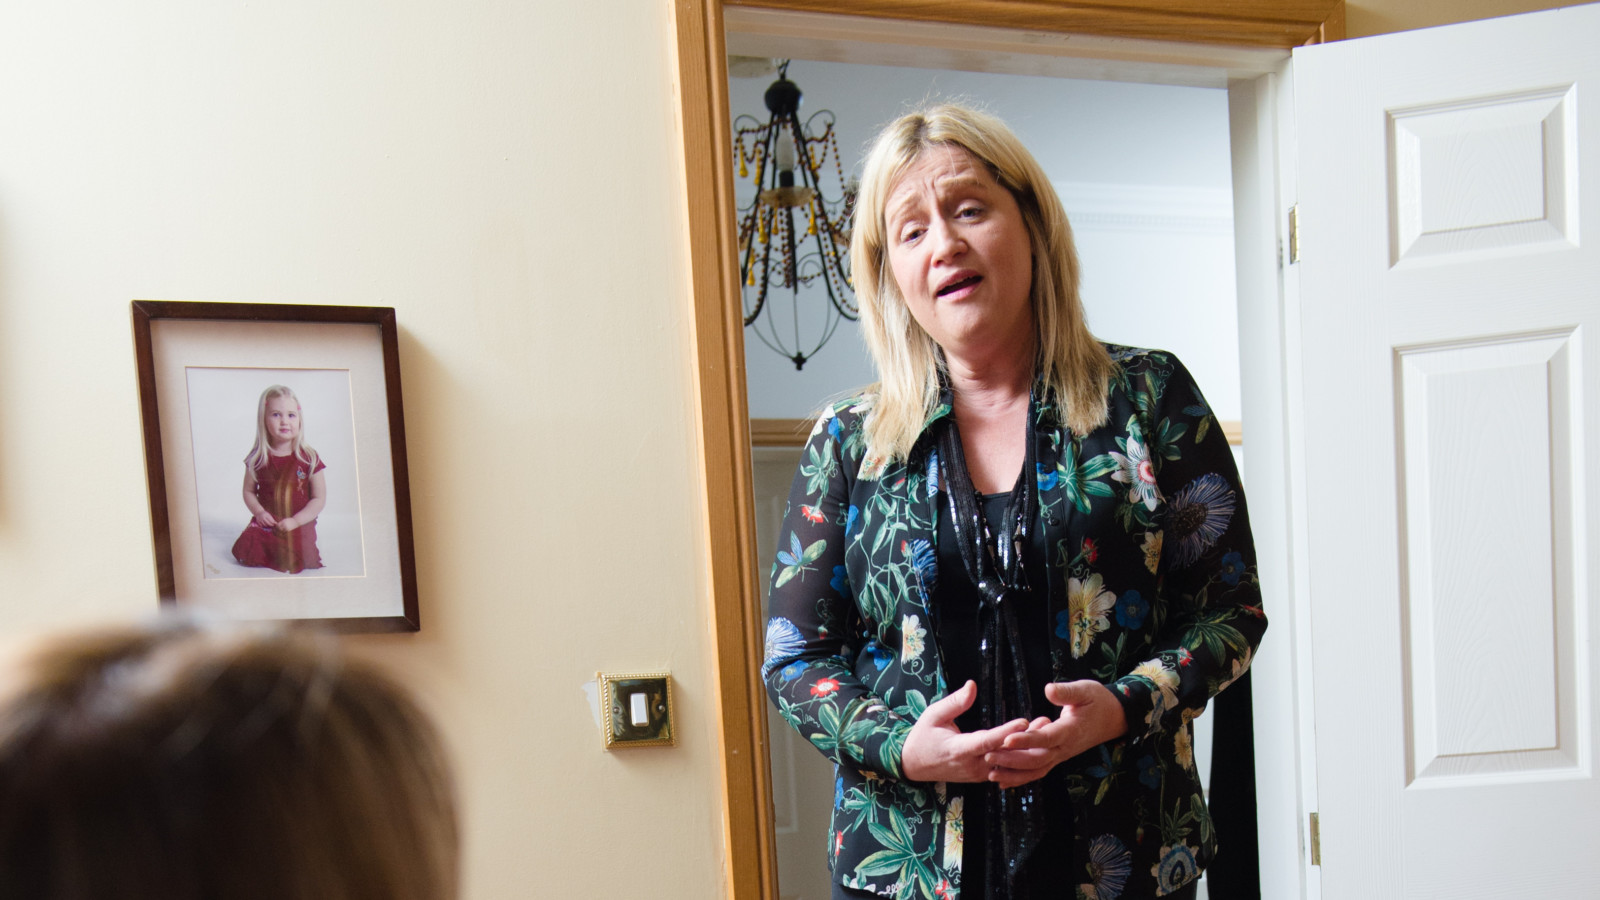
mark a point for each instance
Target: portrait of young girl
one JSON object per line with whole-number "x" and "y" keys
{"x": 284, "y": 489}
{"x": 275, "y": 472}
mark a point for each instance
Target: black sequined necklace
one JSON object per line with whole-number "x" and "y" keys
{"x": 992, "y": 554}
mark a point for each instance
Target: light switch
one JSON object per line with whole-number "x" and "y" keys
{"x": 636, "y": 710}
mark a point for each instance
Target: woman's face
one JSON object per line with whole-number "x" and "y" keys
{"x": 959, "y": 251}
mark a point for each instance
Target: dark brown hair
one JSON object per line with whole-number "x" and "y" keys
{"x": 182, "y": 761}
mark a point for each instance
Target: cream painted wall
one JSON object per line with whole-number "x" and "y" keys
{"x": 478, "y": 167}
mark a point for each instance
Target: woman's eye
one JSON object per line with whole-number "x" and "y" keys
{"x": 910, "y": 234}
{"x": 969, "y": 212}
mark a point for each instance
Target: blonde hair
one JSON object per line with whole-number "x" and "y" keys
{"x": 1073, "y": 366}
{"x": 183, "y": 762}
{"x": 262, "y": 451}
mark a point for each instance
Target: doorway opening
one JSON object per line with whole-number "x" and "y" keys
{"x": 1144, "y": 171}
{"x": 1034, "y": 45}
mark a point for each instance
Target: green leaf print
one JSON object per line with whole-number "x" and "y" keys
{"x": 1164, "y": 442}
{"x": 1218, "y": 639}
{"x": 818, "y": 468}
{"x": 1080, "y": 482}
{"x": 787, "y": 711}
{"x": 853, "y": 740}
{"x": 1145, "y": 399}
{"x": 1197, "y": 808}
{"x": 899, "y": 856}
{"x": 828, "y": 739}
{"x": 892, "y": 748}
{"x": 1111, "y": 665}
{"x": 916, "y": 704}
{"x": 1175, "y": 825}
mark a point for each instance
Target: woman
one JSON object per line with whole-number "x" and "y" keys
{"x": 184, "y": 762}
{"x": 1016, "y": 568}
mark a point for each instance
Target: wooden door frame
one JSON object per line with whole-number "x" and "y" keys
{"x": 724, "y": 426}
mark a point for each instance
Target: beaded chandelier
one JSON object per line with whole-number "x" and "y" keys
{"x": 794, "y": 242}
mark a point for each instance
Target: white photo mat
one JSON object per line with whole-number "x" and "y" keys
{"x": 280, "y": 349}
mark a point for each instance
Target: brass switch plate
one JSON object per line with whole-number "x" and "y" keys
{"x": 637, "y": 709}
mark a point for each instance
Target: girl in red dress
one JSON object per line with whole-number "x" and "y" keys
{"x": 283, "y": 488}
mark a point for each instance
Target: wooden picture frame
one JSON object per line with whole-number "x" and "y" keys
{"x": 205, "y": 371}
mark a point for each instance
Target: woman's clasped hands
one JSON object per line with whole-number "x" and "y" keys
{"x": 1018, "y": 751}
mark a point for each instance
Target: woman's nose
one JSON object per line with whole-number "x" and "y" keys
{"x": 947, "y": 242}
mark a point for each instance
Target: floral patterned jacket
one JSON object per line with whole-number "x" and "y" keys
{"x": 1152, "y": 591}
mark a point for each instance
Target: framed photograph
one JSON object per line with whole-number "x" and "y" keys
{"x": 275, "y": 452}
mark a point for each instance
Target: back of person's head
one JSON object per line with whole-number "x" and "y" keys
{"x": 181, "y": 761}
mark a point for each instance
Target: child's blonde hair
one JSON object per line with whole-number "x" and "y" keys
{"x": 262, "y": 451}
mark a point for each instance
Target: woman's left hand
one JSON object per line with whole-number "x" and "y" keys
{"x": 1090, "y": 716}
{"x": 287, "y": 524}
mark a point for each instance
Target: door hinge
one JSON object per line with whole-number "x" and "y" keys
{"x": 1316, "y": 840}
{"x": 1294, "y": 233}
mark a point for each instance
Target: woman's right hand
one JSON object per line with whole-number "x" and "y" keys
{"x": 936, "y": 750}
{"x": 266, "y": 520}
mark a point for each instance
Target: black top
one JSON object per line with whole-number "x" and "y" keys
{"x": 958, "y": 634}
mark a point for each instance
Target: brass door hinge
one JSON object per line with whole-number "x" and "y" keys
{"x": 1294, "y": 233}
{"x": 1316, "y": 841}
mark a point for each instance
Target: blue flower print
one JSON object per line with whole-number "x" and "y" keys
{"x": 1232, "y": 567}
{"x": 852, "y": 521}
{"x": 1105, "y": 767}
{"x": 793, "y": 670}
{"x": 1110, "y": 861}
{"x": 880, "y": 656}
{"x": 1064, "y": 625}
{"x": 922, "y": 560}
{"x": 835, "y": 428}
{"x": 1048, "y": 478}
{"x": 840, "y": 581}
{"x": 784, "y": 642}
{"x": 1131, "y": 610}
{"x": 838, "y": 791}
{"x": 1149, "y": 772}
{"x": 1177, "y": 868}
{"x": 1197, "y": 516}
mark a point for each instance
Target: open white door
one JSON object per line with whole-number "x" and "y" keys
{"x": 1451, "y": 407}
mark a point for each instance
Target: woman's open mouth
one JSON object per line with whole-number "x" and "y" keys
{"x": 958, "y": 285}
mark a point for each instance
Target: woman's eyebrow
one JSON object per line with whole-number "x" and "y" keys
{"x": 962, "y": 182}
{"x": 897, "y": 209}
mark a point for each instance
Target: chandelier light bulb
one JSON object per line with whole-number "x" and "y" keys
{"x": 785, "y": 151}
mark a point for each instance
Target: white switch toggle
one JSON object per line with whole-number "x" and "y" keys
{"x": 637, "y": 709}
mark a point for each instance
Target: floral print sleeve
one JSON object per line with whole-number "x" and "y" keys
{"x": 817, "y": 640}
{"x": 1209, "y": 618}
